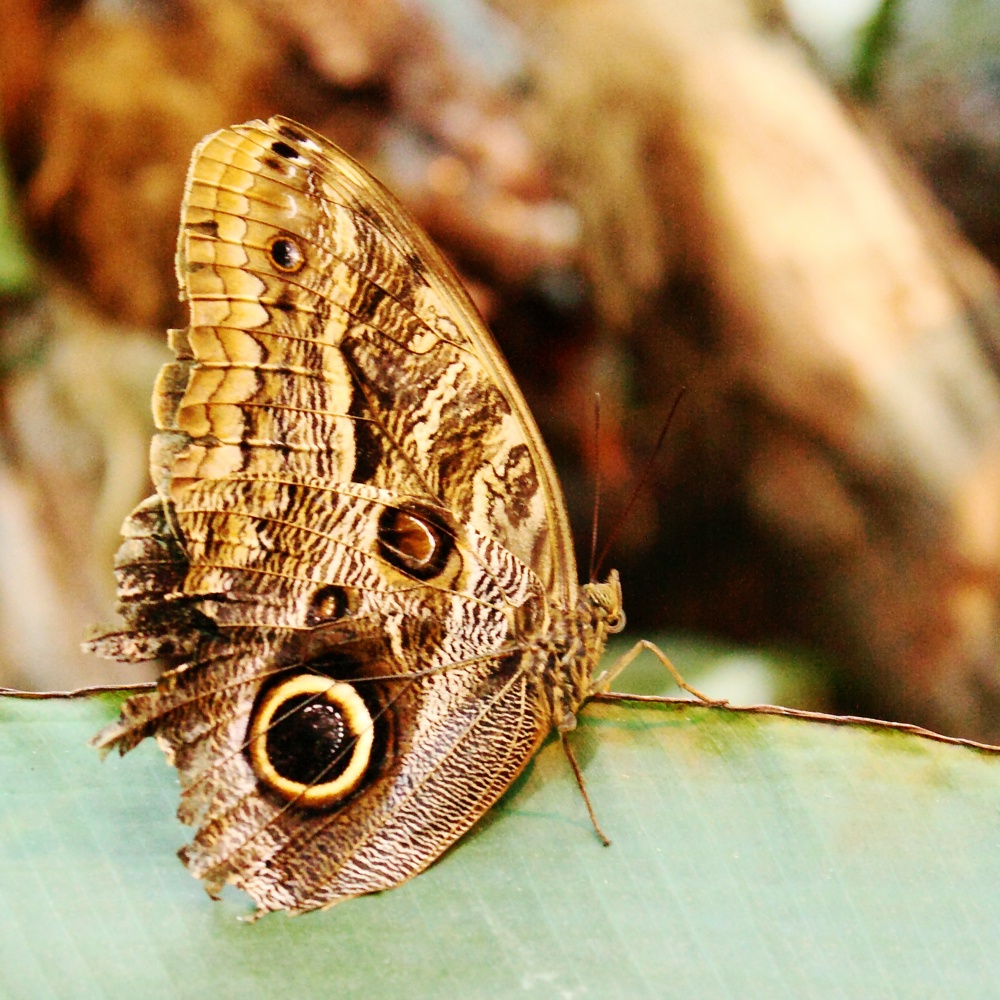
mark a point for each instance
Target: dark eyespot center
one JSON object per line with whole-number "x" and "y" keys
{"x": 313, "y": 740}
{"x": 310, "y": 742}
{"x": 286, "y": 255}
{"x": 414, "y": 543}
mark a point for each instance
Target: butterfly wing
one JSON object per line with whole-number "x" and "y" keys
{"x": 349, "y": 487}
{"x": 314, "y": 294}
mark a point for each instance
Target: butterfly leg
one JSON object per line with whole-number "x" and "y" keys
{"x": 605, "y": 679}
{"x": 578, "y": 774}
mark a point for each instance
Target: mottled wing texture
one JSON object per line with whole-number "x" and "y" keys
{"x": 334, "y": 380}
{"x": 370, "y": 364}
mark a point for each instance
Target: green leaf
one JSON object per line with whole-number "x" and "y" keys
{"x": 875, "y": 41}
{"x": 753, "y": 856}
{"x": 17, "y": 271}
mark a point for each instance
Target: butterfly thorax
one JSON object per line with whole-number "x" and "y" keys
{"x": 575, "y": 643}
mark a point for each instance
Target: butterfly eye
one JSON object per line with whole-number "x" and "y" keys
{"x": 414, "y": 544}
{"x": 311, "y": 740}
{"x": 286, "y": 255}
{"x": 615, "y": 621}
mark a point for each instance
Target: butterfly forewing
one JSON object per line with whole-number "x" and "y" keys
{"x": 372, "y": 320}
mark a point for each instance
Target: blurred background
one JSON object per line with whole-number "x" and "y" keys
{"x": 791, "y": 211}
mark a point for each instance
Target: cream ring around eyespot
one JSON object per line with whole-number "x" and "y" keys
{"x": 357, "y": 718}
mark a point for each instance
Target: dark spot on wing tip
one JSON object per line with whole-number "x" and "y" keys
{"x": 293, "y": 134}
{"x": 370, "y": 214}
{"x": 283, "y": 149}
{"x": 416, "y": 265}
{"x": 273, "y": 163}
{"x": 210, "y": 227}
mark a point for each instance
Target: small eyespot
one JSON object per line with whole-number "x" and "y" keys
{"x": 327, "y": 605}
{"x": 286, "y": 255}
{"x": 311, "y": 740}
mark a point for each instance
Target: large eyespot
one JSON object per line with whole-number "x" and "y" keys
{"x": 417, "y": 543}
{"x": 286, "y": 255}
{"x": 311, "y": 740}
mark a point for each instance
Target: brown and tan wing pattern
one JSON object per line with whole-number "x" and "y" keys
{"x": 328, "y": 336}
{"x": 449, "y": 742}
{"x": 357, "y": 542}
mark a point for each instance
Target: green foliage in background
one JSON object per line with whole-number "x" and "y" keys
{"x": 17, "y": 272}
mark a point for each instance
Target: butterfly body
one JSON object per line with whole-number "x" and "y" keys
{"x": 357, "y": 561}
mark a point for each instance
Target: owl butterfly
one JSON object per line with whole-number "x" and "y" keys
{"x": 357, "y": 562}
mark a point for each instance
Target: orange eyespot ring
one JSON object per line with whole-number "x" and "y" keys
{"x": 292, "y": 755}
{"x": 286, "y": 255}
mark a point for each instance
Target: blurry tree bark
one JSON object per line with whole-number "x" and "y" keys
{"x": 648, "y": 194}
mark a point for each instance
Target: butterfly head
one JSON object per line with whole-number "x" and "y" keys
{"x": 605, "y": 602}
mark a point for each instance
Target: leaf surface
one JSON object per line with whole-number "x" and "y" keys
{"x": 751, "y": 856}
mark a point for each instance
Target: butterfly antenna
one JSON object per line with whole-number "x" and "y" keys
{"x": 641, "y": 485}
{"x": 597, "y": 487}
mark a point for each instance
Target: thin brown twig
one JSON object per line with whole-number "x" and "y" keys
{"x": 801, "y": 713}
{"x": 83, "y": 692}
